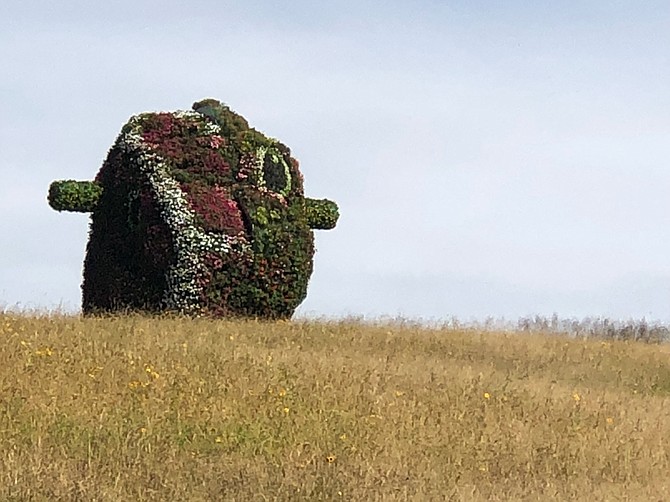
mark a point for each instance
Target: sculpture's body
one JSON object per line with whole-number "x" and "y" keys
{"x": 196, "y": 212}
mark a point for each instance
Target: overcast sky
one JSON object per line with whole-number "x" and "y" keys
{"x": 498, "y": 159}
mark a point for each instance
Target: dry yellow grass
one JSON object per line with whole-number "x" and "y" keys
{"x": 132, "y": 408}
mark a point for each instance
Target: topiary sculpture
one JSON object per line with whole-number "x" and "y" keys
{"x": 196, "y": 212}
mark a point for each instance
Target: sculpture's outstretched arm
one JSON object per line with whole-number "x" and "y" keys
{"x": 75, "y": 196}
{"x": 322, "y": 214}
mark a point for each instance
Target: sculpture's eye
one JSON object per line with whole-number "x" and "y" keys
{"x": 275, "y": 171}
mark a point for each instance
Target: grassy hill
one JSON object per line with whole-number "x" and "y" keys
{"x": 134, "y": 408}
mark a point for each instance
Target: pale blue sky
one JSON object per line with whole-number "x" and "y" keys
{"x": 489, "y": 158}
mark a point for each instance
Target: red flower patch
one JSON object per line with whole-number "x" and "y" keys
{"x": 159, "y": 127}
{"x": 215, "y": 209}
{"x": 215, "y": 163}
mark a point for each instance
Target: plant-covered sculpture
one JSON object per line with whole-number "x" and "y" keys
{"x": 196, "y": 212}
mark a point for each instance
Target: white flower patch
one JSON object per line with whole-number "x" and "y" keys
{"x": 258, "y": 168}
{"x": 184, "y": 290}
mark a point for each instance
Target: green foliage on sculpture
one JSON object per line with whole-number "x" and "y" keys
{"x": 196, "y": 212}
{"x": 71, "y": 195}
{"x": 322, "y": 214}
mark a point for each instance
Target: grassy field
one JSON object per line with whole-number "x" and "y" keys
{"x": 132, "y": 409}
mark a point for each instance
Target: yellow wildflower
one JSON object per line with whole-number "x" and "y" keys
{"x": 92, "y": 372}
{"x": 151, "y": 371}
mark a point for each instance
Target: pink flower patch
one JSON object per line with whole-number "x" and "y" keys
{"x": 213, "y": 261}
{"x": 216, "y": 141}
{"x": 246, "y": 166}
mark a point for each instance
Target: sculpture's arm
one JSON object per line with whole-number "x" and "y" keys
{"x": 322, "y": 214}
{"x": 76, "y": 196}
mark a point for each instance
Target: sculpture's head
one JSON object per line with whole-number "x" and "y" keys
{"x": 197, "y": 212}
